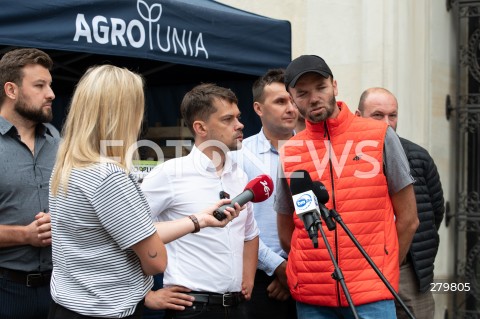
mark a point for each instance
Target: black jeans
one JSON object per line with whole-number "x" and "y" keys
{"x": 59, "y": 312}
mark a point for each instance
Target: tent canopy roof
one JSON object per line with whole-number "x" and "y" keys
{"x": 175, "y": 44}
{"x": 203, "y": 34}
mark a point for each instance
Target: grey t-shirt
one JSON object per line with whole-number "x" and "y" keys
{"x": 397, "y": 172}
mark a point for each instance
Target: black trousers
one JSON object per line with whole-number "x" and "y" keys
{"x": 19, "y": 301}
{"x": 205, "y": 311}
{"x": 261, "y": 306}
{"x": 59, "y": 312}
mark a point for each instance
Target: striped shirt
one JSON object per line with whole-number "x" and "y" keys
{"x": 95, "y": 273}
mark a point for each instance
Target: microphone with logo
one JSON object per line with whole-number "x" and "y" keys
{"x": 305, "y": 202}
{"x": 257, "y": 190}
{"x": 322, "y": 195}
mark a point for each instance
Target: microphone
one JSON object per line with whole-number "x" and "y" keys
{"x": 257, "y": 190}
{"x": 322, "y": 195}
{"x": 305, "y": 202}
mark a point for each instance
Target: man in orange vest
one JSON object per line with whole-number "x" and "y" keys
{"x": 365, "y": 171}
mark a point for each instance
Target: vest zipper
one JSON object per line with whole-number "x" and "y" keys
{"x": 330, "y": 166}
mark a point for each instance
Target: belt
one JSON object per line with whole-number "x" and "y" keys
{"x": 228, "y": 299}
{"x": 29, "y": 279}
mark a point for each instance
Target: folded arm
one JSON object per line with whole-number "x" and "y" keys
{"x": 37, "y": 233}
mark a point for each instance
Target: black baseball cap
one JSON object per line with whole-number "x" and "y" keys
{"x": 304, "y": 64}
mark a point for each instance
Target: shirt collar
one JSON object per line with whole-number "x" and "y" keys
{"x": 204, "y": 162}
{"x": 264, "y": 145}
{"x": 6, "y": 126}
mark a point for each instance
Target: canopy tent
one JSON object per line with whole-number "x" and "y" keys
{"x": 175, "y": 44}
{"x": 200, "y": 33}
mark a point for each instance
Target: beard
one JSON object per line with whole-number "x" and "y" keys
{"x": 33, "y": 113}
{"x": 320, "y": 117}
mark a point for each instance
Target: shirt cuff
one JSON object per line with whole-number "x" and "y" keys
{"x": 268, "y": 260}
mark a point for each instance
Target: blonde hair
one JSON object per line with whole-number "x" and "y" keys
{"x": 107, "y": 105}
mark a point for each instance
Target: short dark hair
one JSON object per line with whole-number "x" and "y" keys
{"x": 197, "y": 104}
{"x": 272, "y": 76}
{"x": 13, "y": 62}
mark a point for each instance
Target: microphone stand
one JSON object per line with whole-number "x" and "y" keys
{"x": 337, "y": 272}
{"x": 338, "y": 218}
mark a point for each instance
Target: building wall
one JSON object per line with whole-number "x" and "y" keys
{"x": 405, "y": 46}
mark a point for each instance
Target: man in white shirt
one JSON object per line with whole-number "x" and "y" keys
{"x": 259, "y": 155}
{"x": 216, "y": 266}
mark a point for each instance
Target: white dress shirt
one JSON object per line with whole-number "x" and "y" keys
{"x": 212, "y": 259}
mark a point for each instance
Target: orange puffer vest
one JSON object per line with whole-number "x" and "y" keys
{"x": 354, "y": 177}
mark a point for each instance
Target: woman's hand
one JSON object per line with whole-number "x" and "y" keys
{"x": 207, "y": 219}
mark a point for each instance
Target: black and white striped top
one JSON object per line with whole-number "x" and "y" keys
{"x": 95, "y": 273}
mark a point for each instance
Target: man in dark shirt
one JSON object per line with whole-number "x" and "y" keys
{"x": 27, "y": 153}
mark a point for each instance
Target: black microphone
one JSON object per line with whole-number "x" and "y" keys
{"x": 305, "y": 202}
{"x": 322, "y": 195}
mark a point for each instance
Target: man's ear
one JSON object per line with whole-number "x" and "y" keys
{"x": 357, "y": 113}
{"x": 10, "y": 90}
{"x": 200, "y": 128}
{"x": 257, "y": 107}
{"x": 335, "y": 88}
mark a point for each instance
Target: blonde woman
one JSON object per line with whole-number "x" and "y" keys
{"x": 105, "y": 246}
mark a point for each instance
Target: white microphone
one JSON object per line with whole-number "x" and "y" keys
{"x": 305, "y": 202}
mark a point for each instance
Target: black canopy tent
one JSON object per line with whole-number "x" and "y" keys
{"x": 175, "y": 44}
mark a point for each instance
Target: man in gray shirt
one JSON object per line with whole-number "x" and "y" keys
{"x": 27, "y": 154}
